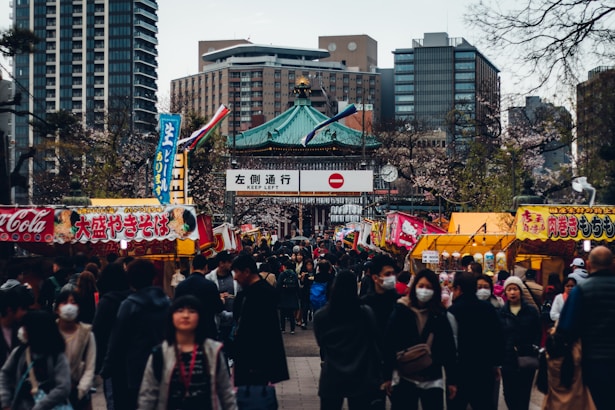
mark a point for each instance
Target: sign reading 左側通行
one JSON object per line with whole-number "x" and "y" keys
{"x": 262, "y": 180}
{"x": 567, "y": 222}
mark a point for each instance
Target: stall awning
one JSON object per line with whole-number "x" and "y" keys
{"x": 471, "y": 222}
{"x": 463, "y": 243}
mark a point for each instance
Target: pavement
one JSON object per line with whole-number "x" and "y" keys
{"x": 301, "y": 391}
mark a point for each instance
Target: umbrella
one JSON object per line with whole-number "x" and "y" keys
{"x": 299, "y": 238}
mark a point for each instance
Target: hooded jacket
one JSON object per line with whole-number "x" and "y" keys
{"x": 579, "y": 274}
{"x": 137, "y": 330}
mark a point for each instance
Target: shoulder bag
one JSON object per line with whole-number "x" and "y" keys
{"x": 39, "y": 394}
{"x": 414, "y": 359}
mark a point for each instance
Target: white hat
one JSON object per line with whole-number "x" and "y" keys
{"x": 578, "y": 262}
{"x": 513, "y": 280}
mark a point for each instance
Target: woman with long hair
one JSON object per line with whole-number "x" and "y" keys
{"x": 88, "y": 296}
{"x": 188, "y": 371}
{"x": 80, "y": 348}
{"x": 37, "y": 372}
{"x": 347, "y": 335}
{"x": 420, "y": 318}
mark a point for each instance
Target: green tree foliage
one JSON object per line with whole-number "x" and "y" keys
{"x": 17, "y": 41}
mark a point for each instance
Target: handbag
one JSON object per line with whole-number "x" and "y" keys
{"x": 528, "y": 361}
{"x": 542, "y": 377}
{"x": 415, "y": 359}
{"x": 39, "y": 394}
{"x": 256, "y": 398}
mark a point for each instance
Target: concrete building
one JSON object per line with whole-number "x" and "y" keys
{"x": 256, "y": 82}
{"x": 357, "y": 52}
{"x": 95, "y": 57}
{"x": 544, "y": 118}
{"x": 439, "y": 75}
{"x": 595, "y": 125}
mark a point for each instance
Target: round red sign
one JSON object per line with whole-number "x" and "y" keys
{"x": 336, "y": 180}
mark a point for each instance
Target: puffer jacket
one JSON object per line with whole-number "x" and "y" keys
{"x": 154, "y": 393}
{"x": 521, "y": 332}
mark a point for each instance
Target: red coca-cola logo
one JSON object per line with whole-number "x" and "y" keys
{"x": 25, "y": 224}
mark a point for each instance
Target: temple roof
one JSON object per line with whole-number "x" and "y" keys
{"x": 287, "y": 130}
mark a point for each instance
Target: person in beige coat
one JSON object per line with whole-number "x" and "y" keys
{"x": 188, "y": 370}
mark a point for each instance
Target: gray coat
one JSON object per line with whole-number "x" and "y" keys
{"x": 154, "y": 394}
{"x": 14, "y": 369}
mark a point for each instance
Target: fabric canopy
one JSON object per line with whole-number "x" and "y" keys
{"x": 471, "y": 222}
{"x": 463, "y": 243}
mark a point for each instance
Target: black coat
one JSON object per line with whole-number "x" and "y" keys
{"x": 350, "y": 350}
{"x": 288, "y": 288}
{"x": 260, "y": 356}
{"x": 104, "y": 320}
{"x": 480, "y": 345}
{"x": 207, "y": 292}
{"x": 521, "y": 332}
{"x": 402, "y": 332}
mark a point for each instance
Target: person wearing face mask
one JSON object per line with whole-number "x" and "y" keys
{"x": 416, "y": 319}
{"x": 479, "y": 345}
{"x": 484, "y": 291}
{"x": 521, "y": 327}
{"x": 382, "y": 299}
{"x": 80, "y": 349}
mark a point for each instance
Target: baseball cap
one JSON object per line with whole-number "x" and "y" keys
{"x": 578, "y": 262}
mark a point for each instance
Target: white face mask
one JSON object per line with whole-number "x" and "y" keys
{"x": 483, "y": 294}
{"x": 424, "y": 295}
{"x": 21, "y": 335}
{"x": 69, "y": 312}
{"x": 388, "y": 282}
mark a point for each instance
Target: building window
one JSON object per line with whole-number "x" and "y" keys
{"x": 404, "y": 57}
{"x": 464, "y": 66}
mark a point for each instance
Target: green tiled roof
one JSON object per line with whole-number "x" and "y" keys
{"x": 291, "y": 126}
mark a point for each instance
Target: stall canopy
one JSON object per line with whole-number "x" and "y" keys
{"x": 470, "y": 232}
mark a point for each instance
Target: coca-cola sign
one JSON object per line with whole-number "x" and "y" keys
{"x": 26, "y": 224}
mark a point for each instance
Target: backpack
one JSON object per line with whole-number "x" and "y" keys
{"x": 545, "y": 311}
{"x": 289, "y": 281}
{"x": 56, "y": 287}
{"x": 318, "y": 295}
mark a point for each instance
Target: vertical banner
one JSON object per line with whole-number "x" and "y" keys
{"x": 179, "y": 179}
{"x": 164, "y": 159}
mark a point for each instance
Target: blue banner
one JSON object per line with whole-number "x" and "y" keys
{"x": 164, "y": 159}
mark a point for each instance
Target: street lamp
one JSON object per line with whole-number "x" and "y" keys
{"x": 580, "y": 184}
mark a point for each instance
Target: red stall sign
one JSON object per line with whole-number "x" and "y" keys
{"x": 26, "y": 224}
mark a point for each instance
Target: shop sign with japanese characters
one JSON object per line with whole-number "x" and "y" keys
{"x": 571, "y": 222}
{"x": 262, "y": 180}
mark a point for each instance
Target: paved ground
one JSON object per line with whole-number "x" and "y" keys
{"x": 300, "y": 392}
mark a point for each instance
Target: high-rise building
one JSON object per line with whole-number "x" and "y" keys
{"x": 440, "y": 76}
{"x": 96, "y": 57}
{"x": 257, "y": 81}
{"x": 595, "y": 125}
{"x": 553, "y": 123}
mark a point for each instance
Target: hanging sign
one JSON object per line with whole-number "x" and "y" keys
{"x": 26, "y": 224}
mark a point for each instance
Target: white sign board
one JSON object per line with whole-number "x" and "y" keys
{"x": 430, "y": 257}
{"x": 262, "y": 180}
{"x": 337, "y": 181}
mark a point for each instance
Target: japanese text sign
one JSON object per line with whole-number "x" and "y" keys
{"x": 164, "y": 158}
{"x": 262, "y": 180}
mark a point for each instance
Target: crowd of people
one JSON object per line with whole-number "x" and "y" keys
{"x": 441, "y": 340}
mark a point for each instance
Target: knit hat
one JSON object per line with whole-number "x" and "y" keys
{"x": 513, "y": 280}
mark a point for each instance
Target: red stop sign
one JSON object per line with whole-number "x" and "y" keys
{"x": 336, "y": 180}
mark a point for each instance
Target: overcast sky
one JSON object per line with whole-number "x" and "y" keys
{"x": 393, "y": 24}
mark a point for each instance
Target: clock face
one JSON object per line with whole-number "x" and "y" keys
{"x": 352, "y": 46}
{"x": 388, "y": 173}
{"x": 332, "y": 47}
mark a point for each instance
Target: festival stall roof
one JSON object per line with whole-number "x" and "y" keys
{"x": 471, "y": 232}
{"x": 124, "y": 201}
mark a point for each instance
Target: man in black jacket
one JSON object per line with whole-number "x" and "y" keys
{"x": 589, "y": 315}
{"x": 260, "y": 358}
{"x": 204, "y": 290}
{"x": 15, "y": 299}
{"x": 50, "y": 289}
{"x": 479, "y": 345}
{"x": 137, "y": 330}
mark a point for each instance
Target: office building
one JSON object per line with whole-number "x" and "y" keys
{"x": 595, "y": 125}
{"x": 439, "y": 75}
{"x": 551, "y": 122}
{"x": 257, "y": 81}
{"x": 95, "y": 58}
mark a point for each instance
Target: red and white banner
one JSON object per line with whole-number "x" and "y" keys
{"x": 404, "y": 230}
{"x": 129, "y": 223}
{"x": 26, "y": 224}
{"x": 336, "y": 181}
